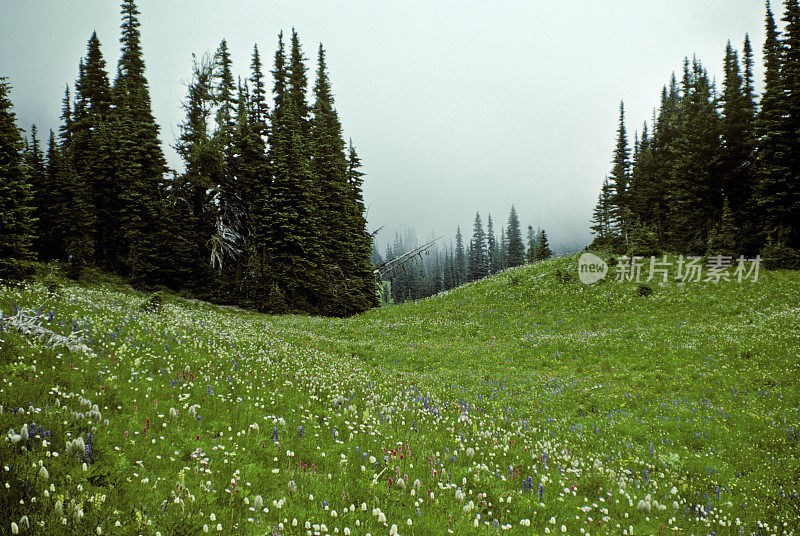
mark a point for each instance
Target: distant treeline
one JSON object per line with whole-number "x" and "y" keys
{"x": 716, "y": 171}
{"x": 268, "y": 213}
{"x": 446, "y": 267}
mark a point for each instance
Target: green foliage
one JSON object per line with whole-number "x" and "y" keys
{"x": 644, "y": 290}
{"x": 642, "y": 241}
{"x": 153, "y": 303}
{"x": 16, "y": 202}
{"x": 777, "y": 256}
{"x": 516, "y": 249}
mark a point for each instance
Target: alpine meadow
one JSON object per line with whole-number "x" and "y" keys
{"x": 516, "y": 315}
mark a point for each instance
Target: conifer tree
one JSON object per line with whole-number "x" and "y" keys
{"x": 516, "y": 248}
{"x": 258, "y": 99}
{"x": 543, "y": 251}
{"x": 790, "y": 74}
{"x": 477, "y": 264}
{"x": 298, "y": 83}
{"x": 460, "y": 260}
{"x": 695, "y": 193}
{"x": 16, "y": 202}
{"x": 620, "y": 179}
{"x": 192, "y": 199}
{"x": 492, "y": 250}
{"x": 139, "y": 160}
{"x": 602, "y": 216}
{"x": 736, "y": 127}
{"x": 530, "y": 254}
{"x": 37, "y": 177}
{"x": 773, "y": 162}
{"x": 89, "y": 150}
{"x": 225, "y": 95}
{"x": 502, "y": 252}
{"x": 335, "y": 208}
{"x": 361, "y": 240}
{"x": 723, "y": 239}
{"x": 291, "y": 228}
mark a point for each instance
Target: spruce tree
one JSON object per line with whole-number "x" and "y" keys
{"x": 225, "y": 94}
{"x": 460, "y": 260}
{"x": 530, "y": 254}
{"x": 334, "y": 208}
{"x": 736, "y": 127}
{"x": 543, "y": 251}
{"x": 298, "y": 83}
{"x": 139, "y": 161}
{"x": 502, "y": 252}
{"x": 620, "y": 179}
{"x": 360, "y": 241}
{"x": 37, "y": 177}
{"x": 773, "y": 162}
{"x": 602, "y": 217}
{"x": 492, "y": 253}
{"x": 477, "y": 264}
{"x": 16, "y": 202}
{"x": 89, "y": 151}
{"x": 516, "y": 248}
{"x": 258, "y": 99}
{"x": 695, "y": 193}
{"x": 790, "y": 74}
{"x": 723, "y": 239}
{"x": 291, "y": 227}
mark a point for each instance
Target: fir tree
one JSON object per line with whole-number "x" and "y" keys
{"x": 530, "y": 254}
{"x": 736, "y": 127}
{"x": 16, "y": 203}
{"x": 602, "y": 217}
{"x": 258, "y": 99}
{"x": 773, "y": 163}
{"x": 329, "y": 167}
{"x": 790, "y": 74}
{"x": 89, "y": 151}
{"x": 620, "y": 178}
{"x": 37, "y": 176}
{"x": 298, "y": 83}
{"x": 139, "y": 159}
{"x": 225, "y": 94}
{"x": 492, "y": 250}
{"x": 477, "y": 263}
{"x": 360, "y": 241}
{"x": 723, "y": 237}
{"x": 543, "y": 251}
{"x": 695, "y": 188}
{"x": 460, "y": 260}
{"x": 502, "y": 252}
{"x": 290, "y": 225}
{"x": 516, "y": 249}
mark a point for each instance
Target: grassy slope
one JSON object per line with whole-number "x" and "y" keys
{"x": 600, "y": 395}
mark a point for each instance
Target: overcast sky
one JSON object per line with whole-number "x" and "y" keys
{"x": 454, "y": 106}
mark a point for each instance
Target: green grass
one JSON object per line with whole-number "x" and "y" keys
{"x": 689, "y": 395}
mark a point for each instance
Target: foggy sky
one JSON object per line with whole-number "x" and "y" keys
{"x": 454, "y": 107}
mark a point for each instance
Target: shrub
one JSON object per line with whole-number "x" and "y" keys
{"x": 644, "y": 291}
{"x": 154, "y": 303}
{"x": 563, "y": 276}
{"x": 778, "y": 256}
